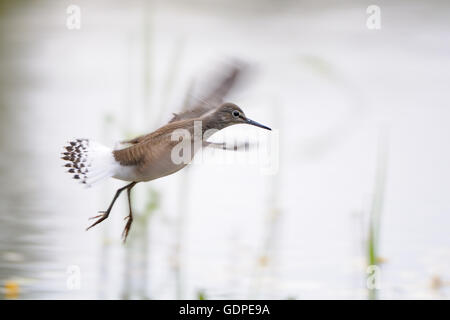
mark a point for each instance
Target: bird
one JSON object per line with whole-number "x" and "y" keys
{"x": 151, "y": 156}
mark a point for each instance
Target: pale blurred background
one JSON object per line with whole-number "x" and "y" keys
{"x": 364, "y": 176}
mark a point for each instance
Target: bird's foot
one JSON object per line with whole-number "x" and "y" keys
{"x": 101, "y": 217}
{"x": 127, "y": 227}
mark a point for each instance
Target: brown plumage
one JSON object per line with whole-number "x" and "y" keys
{"x": 145, "y": 148}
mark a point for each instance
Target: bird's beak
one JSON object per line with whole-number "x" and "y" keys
{"x": 254, "y": 123}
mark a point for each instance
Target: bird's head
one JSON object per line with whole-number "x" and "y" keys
{"x": 229, "y": 114}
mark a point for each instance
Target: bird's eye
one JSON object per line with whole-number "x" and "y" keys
{"x": 235, "y": 113}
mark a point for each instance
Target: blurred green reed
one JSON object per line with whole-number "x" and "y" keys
{"x": 137, "y": 246}
{"x": 267, "y": 258}
{"x": 201, "y": 295}
{"x": 373, "y": 239}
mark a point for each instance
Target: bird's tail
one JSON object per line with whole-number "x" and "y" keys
{"x": 88, "y": 161}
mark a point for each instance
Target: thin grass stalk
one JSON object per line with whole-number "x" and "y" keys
{"x": 377, "y": 206}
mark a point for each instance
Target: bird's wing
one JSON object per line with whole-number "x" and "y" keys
{"x": 215, "y": 97}
{"x": 137, "y": 151}
{"x": 146, "y": 148}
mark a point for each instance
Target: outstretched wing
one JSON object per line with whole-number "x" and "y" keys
{"x": 215, "y": 97}
{"x": 145, "y": 149}
{"x": 142, "y": 149}
{"x": 144, "y": 152}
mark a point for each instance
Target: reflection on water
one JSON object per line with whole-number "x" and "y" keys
{"x": 28, "y": 256}
{"x": 326, "y": 83}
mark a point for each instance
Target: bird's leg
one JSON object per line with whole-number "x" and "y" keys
{"x": 129, "y": 218}
{"x": 105, "y": 214}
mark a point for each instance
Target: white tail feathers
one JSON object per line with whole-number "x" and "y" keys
{"x": 89, "y": 161}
